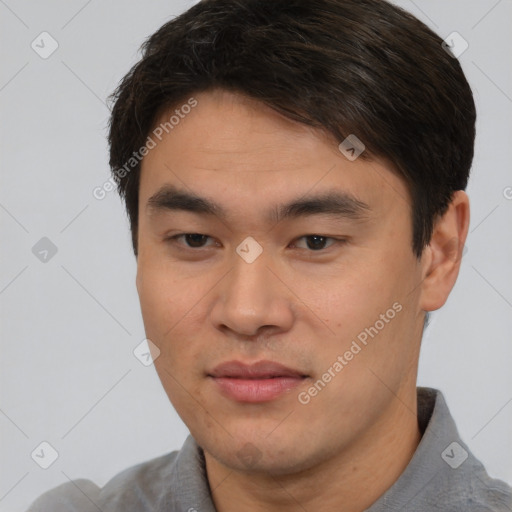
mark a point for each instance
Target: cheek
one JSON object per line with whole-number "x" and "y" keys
{"x": 164, "y": 296}
{"x": 173, "y": 313}
{"x": 368, "y": 305}
{"x": 159, "y": 304}
{"x": 170, "y": 321}
{"x": 347, "y": 300}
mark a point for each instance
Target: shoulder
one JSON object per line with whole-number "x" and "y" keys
{"x": 138, "y": 488}
{"x": 478, "y": 492}
{"x": 75, "y": 496}
{"x": 496, "y": 495}
{"x": 443, "y": 473}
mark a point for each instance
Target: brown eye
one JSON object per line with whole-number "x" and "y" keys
{"x": 195, "y": 239}
{"x": 317, "y": 242}
{"x": 192, "y": 240}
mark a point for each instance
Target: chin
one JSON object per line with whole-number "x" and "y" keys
{"x": 264, "y": 455}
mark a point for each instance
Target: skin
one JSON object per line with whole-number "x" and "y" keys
{"x": 294, "y": 305}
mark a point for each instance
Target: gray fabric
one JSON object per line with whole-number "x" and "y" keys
{"x": 177, "y": 482}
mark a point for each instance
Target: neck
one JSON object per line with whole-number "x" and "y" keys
{"x": 349, "y": 481}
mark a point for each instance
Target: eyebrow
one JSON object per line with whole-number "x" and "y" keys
{"x": 333, "y": 204}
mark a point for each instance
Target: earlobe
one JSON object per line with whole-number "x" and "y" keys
{"x": 442, "y": 257}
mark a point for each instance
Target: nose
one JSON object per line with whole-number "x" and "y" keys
{"x": 253, "y": 298}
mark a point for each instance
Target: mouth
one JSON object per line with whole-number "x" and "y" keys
{"x": 259, "y": 382}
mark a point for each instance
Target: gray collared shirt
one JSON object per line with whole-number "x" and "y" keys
{"x": 442, "y": 475}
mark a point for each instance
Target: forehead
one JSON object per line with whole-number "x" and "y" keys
{"x": 245, "y": 153}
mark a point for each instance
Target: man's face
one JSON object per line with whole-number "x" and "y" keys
{"x": 349, "y": 294}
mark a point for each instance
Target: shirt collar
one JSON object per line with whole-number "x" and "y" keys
{"x": 428, "y": 465}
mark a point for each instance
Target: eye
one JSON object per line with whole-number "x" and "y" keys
{"x": 317, "y": 242}
{"x": 314, "y": 243}
{"x": 192, "y": 240}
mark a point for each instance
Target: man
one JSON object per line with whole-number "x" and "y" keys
{"x": 294, "y": 175}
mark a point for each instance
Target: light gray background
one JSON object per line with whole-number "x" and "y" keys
{"x": 69, "y": 325}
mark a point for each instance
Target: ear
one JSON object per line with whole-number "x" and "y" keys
{"x": 442, "y": 257}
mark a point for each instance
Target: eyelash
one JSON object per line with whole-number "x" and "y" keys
{"x": 340, "y": 241}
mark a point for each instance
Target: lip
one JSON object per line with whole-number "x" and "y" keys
{"x": 258, "y": 370}
{"x": 258, "y": 382}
